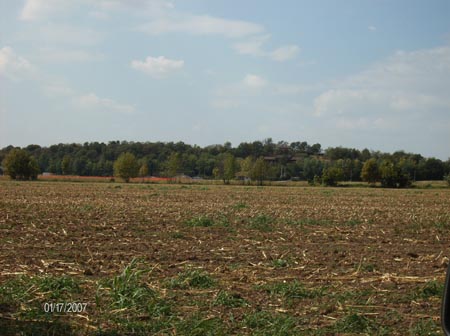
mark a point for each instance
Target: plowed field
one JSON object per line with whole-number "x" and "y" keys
{"x": 209, "y": 260}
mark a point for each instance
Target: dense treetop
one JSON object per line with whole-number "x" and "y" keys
{"x": 284, "y": 160}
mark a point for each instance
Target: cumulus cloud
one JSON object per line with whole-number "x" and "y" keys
{"x": 157, "y": 66}
{"x": 201, "y": 25}
{"x": 58, "y": 90}
{"x": 14, "y": 66}
{"x": 414, "y": 82}
{"x": 66, "y": 34}
{"x": 40, "y": 9}
{"x": 235, "y": 94}
{"x": 255, "y": 47}
{"x": 36, "y": 10}
{"x": 92, "y": 101}
{"x": 68, "y": 55}
{"x": 254, "y": 81}
{"x": 284, "y": 53}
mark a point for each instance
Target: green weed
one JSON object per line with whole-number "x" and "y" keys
{"x": 191, "y": 278}
{"x": 430, "y": 289}
{"x": 239, "y": 206}
{"x": 355, "y": 323}
{"x": 197, "y": 326}
{"x": 202, "y": 221}
{"x": 279, "y": 263}
{"x": 261, "y": 223}
{"x": 268, "y": 323}
{"x": 292, "y": 290}
{"x": 425, "y": 327}
{"x": 227, "y": 299}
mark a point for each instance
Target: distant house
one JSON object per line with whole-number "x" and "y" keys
{"x": 292, "y": 158}
{"x": 183, "y": 176}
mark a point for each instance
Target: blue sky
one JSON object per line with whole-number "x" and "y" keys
{"x": 360, "y": 74}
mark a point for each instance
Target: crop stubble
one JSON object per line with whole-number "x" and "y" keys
{"x": 367, "y": 251}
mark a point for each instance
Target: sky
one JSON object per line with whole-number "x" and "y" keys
{"x": 355, "y": 73}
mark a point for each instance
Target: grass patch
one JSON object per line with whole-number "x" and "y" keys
{"x": 310, "y": 221}
{"x": 425, "y": 327}
{"x": 127, "y": 290}
{"x": 232, "y": 300}
{"x": 205, "y": 221}
{"x": 357, "y": 297}
{"x": 127, "y": 297}
{"x": 201, "y": 221}
{"x": 24, "y": 296}
{"x": 268, "y": 323}
{"x": 191, "y": 278}
{"x": 240, "y": 206}
{"x": 442, "y": 225}
{"x": 353, "y": 222}
{"x": 292, "y": 290}
{"x": 430, "y": 289}
{"x": 355, "y": 323}
{"x": 198, "y": 326}
{"x": 280, "y": 263}
{"x": 261, "y": 223}
{"x": 177, "y": 235}
{"x": 25, "y": 288}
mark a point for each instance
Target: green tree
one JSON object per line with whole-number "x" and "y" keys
{"x": 447, "y": 179}
{"x": 229, "y": 167}
{"x": 126, "y": 166}
{"x": 369, "y": 172}
{"x": 245, "y": 168}
{"x": 19, "y": 164}
{"x": 66, "y": 165}
{"x": 388, "y": 174}
{"x": 332, "y": 175}
{"x": 143, "y": 171}
{"x": 173, "y": 165}
{"x": 259, "y": 170}
{"x": 216, "y": 173}
{"x": 311, "y": 168}
{"x": 33, "y": 168}
{"x": 392, "y": 176}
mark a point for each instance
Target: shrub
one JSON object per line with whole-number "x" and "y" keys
{"x": 447, "y": 179}
{"x": 19, "y": 164}
{"x": 331, "y": 176}
{"x": 126, "y": 166}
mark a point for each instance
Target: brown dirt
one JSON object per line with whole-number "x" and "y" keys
{"x": 372, "y": 250}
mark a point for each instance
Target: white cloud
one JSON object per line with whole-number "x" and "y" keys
{"x": 284, "y": 53}
{"x": 66, "y": 34}
{"x": 294, "y": 89}
{"x": 254, "y": 81}
{"x": 372, "y": 28}
{"x": 14, "y": 66}
{"x": 40, "y": 9}
{"x": 99, "y": 15}
{"x": 157, "y": 66}
{"x": 412, "y": 83}
{"x": 58, "y": 90}
{"x": 92, "y": 101}
{"x": 201, "y": 25}
{"x": 137, "y": 4}
{"x": 254, "y": 47}
{"x": 68, "y": 55}
{"x": 235, "y": 94}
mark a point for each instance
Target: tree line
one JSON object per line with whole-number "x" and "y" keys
{"x": 256, "y": 161}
